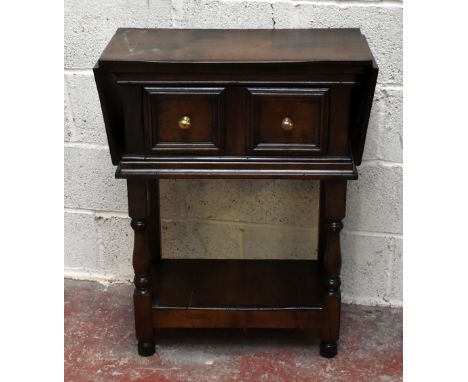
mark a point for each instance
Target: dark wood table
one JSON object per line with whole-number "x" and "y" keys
{"x": 291, "y": 104}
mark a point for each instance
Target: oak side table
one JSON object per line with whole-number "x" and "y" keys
{"x": 291, "y": 104}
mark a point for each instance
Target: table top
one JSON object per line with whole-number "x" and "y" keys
{"x": 237, "y": 46}
{"x": 283, "y": 59}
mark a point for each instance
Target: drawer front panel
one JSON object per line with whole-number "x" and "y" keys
{"x": 184, "y": 120}
{"x": 288, "y": 121}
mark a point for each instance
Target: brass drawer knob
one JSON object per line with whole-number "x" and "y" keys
{"x": 287, "y": 124}
{"x": 184, "y": 123}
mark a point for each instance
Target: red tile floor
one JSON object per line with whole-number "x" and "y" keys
{"x": 100, "y": 346}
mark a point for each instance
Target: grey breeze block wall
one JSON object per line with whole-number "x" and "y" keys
{"x": 234, "y": 218}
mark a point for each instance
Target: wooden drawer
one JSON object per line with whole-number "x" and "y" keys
{"x": 288, "y": 121}
{"x": 184, "y": 120}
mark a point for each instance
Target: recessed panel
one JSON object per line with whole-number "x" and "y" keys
{"x": 184, "y": 120}
{"x": 288, "y": 121}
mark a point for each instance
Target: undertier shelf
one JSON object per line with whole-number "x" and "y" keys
{"x": 237, "y": 293}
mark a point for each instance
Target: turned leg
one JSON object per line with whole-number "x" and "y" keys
{"x": 322, "y": 226}
{"x": 138, "y": 211}
{"x": 334, "y": 203}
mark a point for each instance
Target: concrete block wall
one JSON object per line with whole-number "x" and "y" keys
{"x": 234, "y": 218}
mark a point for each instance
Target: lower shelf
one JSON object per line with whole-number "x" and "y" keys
{"x": 237, "y": 293}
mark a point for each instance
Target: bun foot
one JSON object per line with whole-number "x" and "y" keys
{"x": 146, "y": 348}
{"x": 328, "y": 349}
